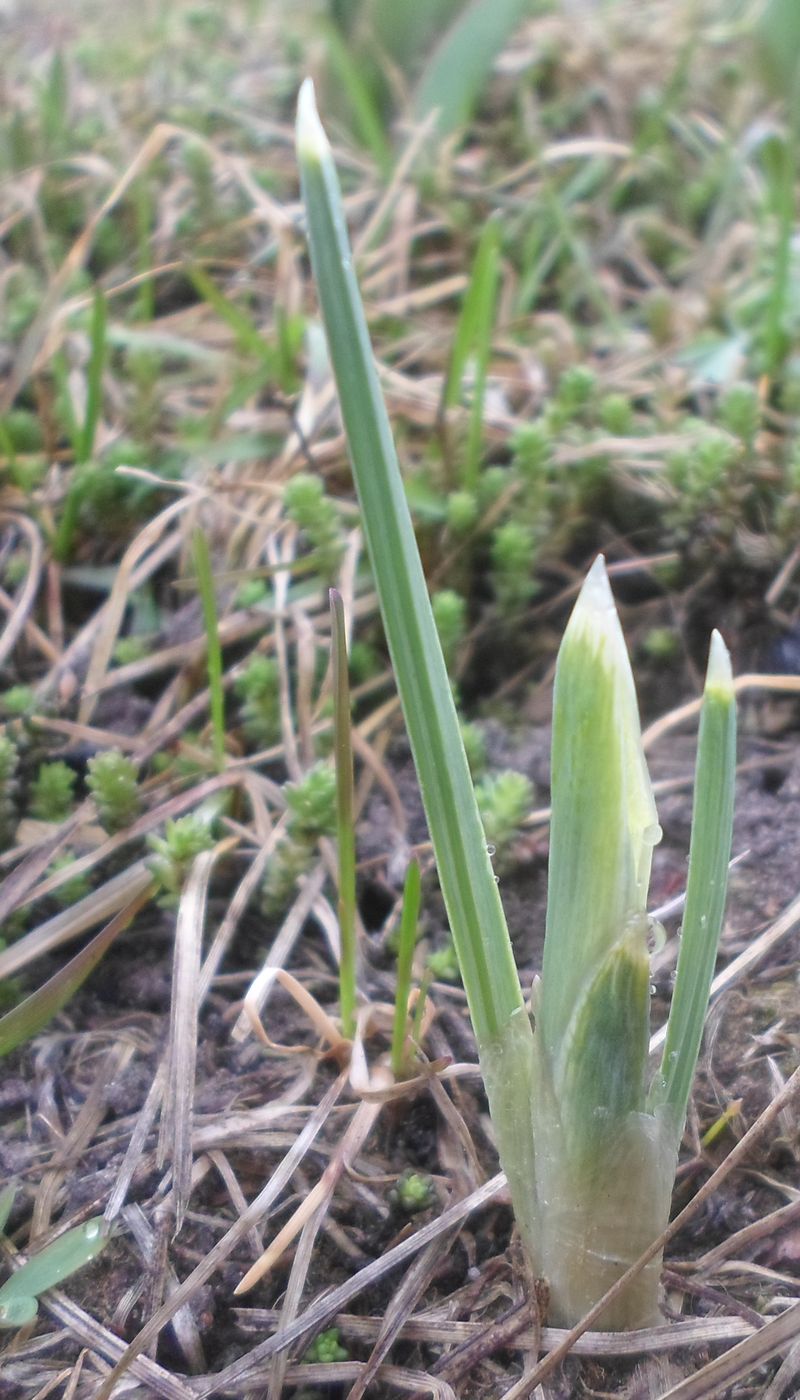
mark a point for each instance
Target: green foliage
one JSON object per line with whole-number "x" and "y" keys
{"x": 574, "y": 397}
{"x": 589, "y": 1165}
{"x": 208, "y": 600}
{"x": 504, "y": 801}
{"x": 130, "y": 649}
{"x": 113, "y": 782}
{"x": 443, "y": 963}
{"x": 312, "y": 804}
{"x": 615, "y": 414}
{"x": 413, "y": 1192}
{"x": 533, "y": 452}
{"x": 513, "y": 555}
{"x": 661, "y": 643}
{"x": 699, "y": 472}
{"x": 290, "y": 861}
{"x": 9, "y": 762}
{"x": 250, "y": 593}
{"x": 364, "y": 661}
{"x": 326, "y": 1348}
{"x": 492, "y": 481}
{"x": 19, "y": 701}
{"x": 258, "y": 688}
{"x": 450, "y": 616}
{"x": 460, "y": 64}
{"x": 461, "y": 512}
{"x": 313, "y": 511}
{"x": 740, "y": 412}
{"x": 174, "y": 852}
{"x": 53, "y": 792}
{"x": 50, "y": 1266}
{"x": 73, "y": 889}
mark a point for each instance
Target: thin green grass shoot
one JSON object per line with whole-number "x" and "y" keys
{"x": 205, "y": 586}
{"x": 367, "y": 120}
{"x": 709, "y": 854}
{"x": 94, "y": 377}
{"x": 406, "y": 943}
{"x": 83, "y": 435}
{"x": 345, "y": 821}
{"x": 470, "y": 892}
{"x": 777, "y": 36}
{"x": 472, "y": 344}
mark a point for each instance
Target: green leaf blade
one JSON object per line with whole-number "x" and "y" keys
{"x": 709, "y": 854}
{"x": 70, "y": 1252}
{"x": 468, "y": 885}
{"x": 604, "y": 821}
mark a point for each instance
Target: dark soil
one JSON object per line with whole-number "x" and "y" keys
{"x": 750, "y": 1048}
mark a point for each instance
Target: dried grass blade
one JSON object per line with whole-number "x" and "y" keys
{"x": 719, "y": 1376}
{"x": 114, "y": 611}
{"x": 102, "y": 1343}
{"x": 208, "y": 1266}
{"x": 323, "y": 1309}
{"x": 294, "y": 1292}
{"x": 259, "y": 988}
{"x": 70, "y": 923}
{"x": 358, "y": 1131}
{"x": 418, "y": 1382}
{"x": 403, "y": 1301}
{"x": 175, "y": 1137}
{"x": 23, "y": 604}
{"x": 41, "y": 1006}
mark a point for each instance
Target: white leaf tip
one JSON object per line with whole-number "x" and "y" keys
{"x": 312, "y": 143}
{"x": 719, "y": 676}
{"x": 596, "y": 589}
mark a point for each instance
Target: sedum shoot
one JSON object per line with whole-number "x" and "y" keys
{"x": 588, "y": 1144}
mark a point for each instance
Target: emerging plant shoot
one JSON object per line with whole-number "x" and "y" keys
{"x": 589, "y": 1144}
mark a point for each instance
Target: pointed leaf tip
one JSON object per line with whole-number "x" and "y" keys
{"x": 596, "y": 591}
{"x": 719, "y": 675}
{"x": 312, "y": 143}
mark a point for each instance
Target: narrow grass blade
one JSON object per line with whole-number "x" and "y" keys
{"x": 145, "y": 213}
{"x": 366, "y": 115}
{"x": 473, "y": 337}
{"x": 468, "y": 884}
{"x": 477, "y": 922}
{"x": 462, "y": 61}
{"x": 475, "y": 299}
{"x": 94, "y": 378}
{"x": 205, "y": 584}
{"x": 709, "y": 854}
{"x": 406, "y": 943}
{"x": 345, "y": 821}
{"x": 248, "y": 338}
{"x": 32, "y": 1014}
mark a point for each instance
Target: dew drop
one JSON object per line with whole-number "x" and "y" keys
{"x": 491, "y": 850}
